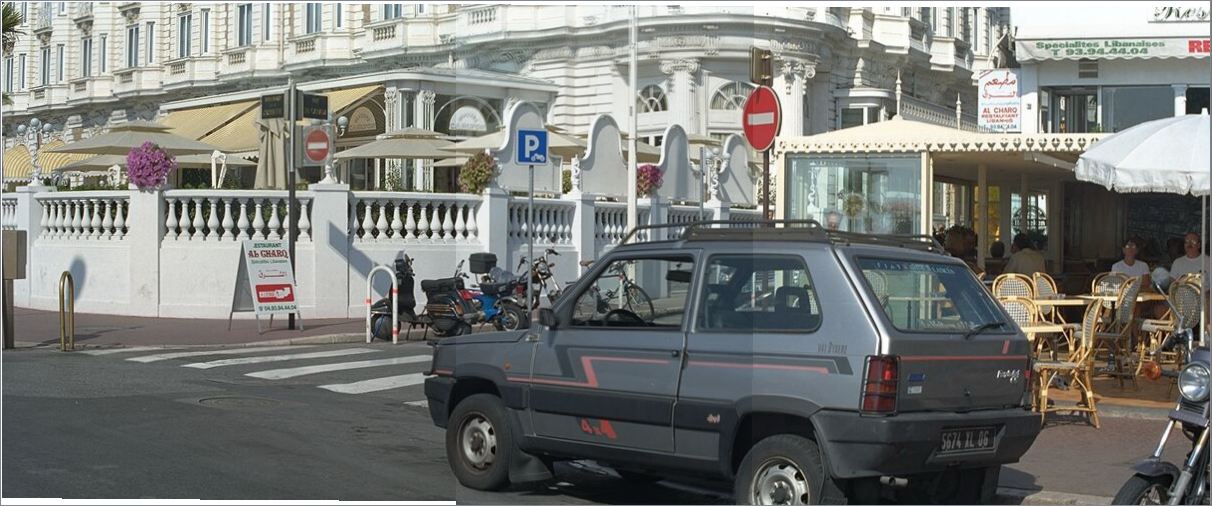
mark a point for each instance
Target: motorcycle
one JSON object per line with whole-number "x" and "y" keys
{"x": 496, "y": 301}
{"x": 542, "y": 279}
{"x": 1160, "y": 482}
{"x": 445, "y": 308}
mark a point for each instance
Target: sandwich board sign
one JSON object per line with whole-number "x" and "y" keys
{"x": 265, "y": 284}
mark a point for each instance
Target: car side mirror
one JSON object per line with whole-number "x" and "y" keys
{"x": 547, "y": 318}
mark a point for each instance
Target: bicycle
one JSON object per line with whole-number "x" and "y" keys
{"x": 633, "y": 297}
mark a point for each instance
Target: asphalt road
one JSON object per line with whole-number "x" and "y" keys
{"x": 340, "y": 422}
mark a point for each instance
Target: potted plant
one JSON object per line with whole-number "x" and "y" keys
{"x": 477, "y": 173}
{"x": 148, "y": 166}
{"x": 648, "y": 179}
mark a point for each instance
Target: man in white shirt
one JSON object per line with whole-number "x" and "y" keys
{"x": 1023, "y": 257}
{"x": 1193, "y": 261}
{"x": 1130, "y": 265}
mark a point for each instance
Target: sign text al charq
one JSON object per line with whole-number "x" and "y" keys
{"x": 999, "y": 103}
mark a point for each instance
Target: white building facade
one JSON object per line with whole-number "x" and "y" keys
{"x": 85, "y": 66}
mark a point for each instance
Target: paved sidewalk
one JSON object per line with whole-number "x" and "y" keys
{"x": 41, "y": 328}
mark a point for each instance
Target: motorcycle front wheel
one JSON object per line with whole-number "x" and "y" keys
{"x": 512, "y": 317}
{"x": 1144, "y": 490}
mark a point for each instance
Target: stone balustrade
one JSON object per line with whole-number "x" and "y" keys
{"x": 84, "y": 216}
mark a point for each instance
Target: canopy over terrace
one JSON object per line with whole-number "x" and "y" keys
{"x": 883, "y": 177}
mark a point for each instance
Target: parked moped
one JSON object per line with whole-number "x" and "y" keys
{"x": 445, "y": 309}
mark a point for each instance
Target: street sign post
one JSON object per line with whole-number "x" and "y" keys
{"x": 273, "y": 106}
{"x": 761, "y": 119}
{"x": 314, "y": 106}
{"x": 531, "y": 150}
{"x": 761, "y": 66}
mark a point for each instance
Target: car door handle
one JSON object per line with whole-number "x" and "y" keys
{"x": 675, "y": 353}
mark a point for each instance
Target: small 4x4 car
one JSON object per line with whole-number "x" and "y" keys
{"x": 807, "y": 366}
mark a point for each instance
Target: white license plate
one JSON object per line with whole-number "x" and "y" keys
{"x": 967, "y": 440}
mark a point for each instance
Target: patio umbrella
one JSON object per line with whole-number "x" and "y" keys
{"x": 457, "y": 161}
{"x": 120, "y": 139}
{"x": 408, "y": 143}
{"x": 271, "y": 155}
{"x": 1168, "y": 155}
{"x": 559, "y": 143}
{"x": 102, "y": 163}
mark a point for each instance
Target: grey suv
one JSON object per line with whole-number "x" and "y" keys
{"x": 806, "y": 366}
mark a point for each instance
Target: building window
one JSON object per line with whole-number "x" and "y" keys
{"x": 44, "y": 77}
{"x": 731, "y": 96}
{"x": 184, "y": 32}
{"x": 1197, "y": 99}
{"x": 1036, "y": 213}
{"x": 21, "y": 69}
{"x": 61, "y": 54}
{"x": 8, "y": 74}
{"x": 392, "y": 11}
{"x": 650, "y": 99}
{"x": 102, "y": 55}
{"x": 151, "y": 41}
{"x": 927, "y": 14}
{"x": 420, "y": 8}
{"x": 865, "y": 193}
{"x": 339, "y": 14}
{"x": 205, "y": 32}
{"x": 265, "y": 24}
{"x": 243, "y": 25}
{"x": 62, "y": 8}
{"x": 132, "y": 46}
{"x": 24, "y": 13}
{"x": 1072, "y": 110}
{"x": 86, "y": 57}
{"x": 1128, "y": 106}
{"x": 965, "y": 24}
{"x": 314, "y": 17}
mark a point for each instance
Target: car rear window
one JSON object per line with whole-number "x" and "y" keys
{"x": 920, "y": 296}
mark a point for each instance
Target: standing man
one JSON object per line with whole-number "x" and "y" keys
{"x": 1193, "y": 261}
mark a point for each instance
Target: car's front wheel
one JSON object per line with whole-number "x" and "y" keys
{"x": 782, "y": 469}
{"x": 478, "y": 443}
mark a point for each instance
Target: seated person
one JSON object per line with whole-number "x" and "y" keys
{"x": 1192, "y": 261}
{"x": 1130, "y": 265}
{"x": 1024, "y": 259}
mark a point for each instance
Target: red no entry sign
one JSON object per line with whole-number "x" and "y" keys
{"x": 761, "y": 118}
{"x": 316, "y": 145}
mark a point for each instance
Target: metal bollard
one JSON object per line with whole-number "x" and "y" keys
{"x": 67, "y": 312}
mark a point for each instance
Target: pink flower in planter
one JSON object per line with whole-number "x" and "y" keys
{"x": 648, "y": 179}
{"x": 148, "y": 166}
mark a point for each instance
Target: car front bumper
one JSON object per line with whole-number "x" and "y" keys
{"x": 437, "y": 393}
{"x": 908, "y": 443}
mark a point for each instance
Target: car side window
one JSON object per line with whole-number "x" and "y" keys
{"x": 747, "y": 293}
{"x": 637, "y": 293}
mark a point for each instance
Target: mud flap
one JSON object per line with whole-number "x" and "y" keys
{"x": 988, "y": 492}
{"x": 831, "y": 493}
{"x": 524, "y": 467}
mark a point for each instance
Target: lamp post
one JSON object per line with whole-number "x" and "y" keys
{"x": 31, "y": 137}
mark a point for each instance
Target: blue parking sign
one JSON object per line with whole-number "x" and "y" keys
{"x": 532, "y": 147}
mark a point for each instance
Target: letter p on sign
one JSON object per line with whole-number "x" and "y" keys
{"x": 532, "y": 147}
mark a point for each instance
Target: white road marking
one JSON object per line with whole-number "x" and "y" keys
{"x": 761, "y": 118}
{"x": 224, "y": 351}
{"x": 418, "y": 404}
{"x": 111, "y": 351}
{"x": 377, "y": 384}
{"x": 276, "y": 374}
{"x": 279, "y": 358}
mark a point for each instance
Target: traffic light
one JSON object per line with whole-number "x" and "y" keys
{"x": 761, "y": 66}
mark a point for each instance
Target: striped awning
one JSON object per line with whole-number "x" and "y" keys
{"x": 199, "y": 122}
{"x": 339, "y": 101}
{"x": 240, "y": 135}
{"x": 19, "y": 167}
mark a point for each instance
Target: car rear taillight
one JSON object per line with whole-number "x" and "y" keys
{"x": 880, "y": 385}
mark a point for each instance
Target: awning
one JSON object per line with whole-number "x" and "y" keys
{"x": 19, "y": 166}
{"x": 340, "y": 100}
{"x": 198, "y": 122}
{"x": 238, "y": 135}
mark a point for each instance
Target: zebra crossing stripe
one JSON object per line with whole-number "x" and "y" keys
{"x": 277, "y": 374}
{"x": 224, "y": 351}
{"x": 279, "y": 358}
{"x": 111, "y": 351}
{"x": 418, "y": 404}
{"x": 377, "y": 384}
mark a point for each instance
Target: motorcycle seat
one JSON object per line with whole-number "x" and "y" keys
{"x": 441, "y": 285}
{"x": 493, "y": 289}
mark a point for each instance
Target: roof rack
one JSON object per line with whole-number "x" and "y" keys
{"x": 790, "y": 230}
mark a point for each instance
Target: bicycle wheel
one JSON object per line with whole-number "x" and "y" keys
{"x": 638, "y": 302}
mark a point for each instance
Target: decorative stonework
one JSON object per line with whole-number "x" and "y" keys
{"x": 960, "y": 142}
{"x": 687, "y": 65}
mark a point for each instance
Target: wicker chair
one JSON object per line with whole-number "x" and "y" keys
{"x": 1021, "y": 309}
{"x": 1107, "y": 283}
{"x": 1078, "y": 365}
{"x": 1013, "y": 285}
{"x": 1117, "y": 334}
{"x": 1184, "y": 297}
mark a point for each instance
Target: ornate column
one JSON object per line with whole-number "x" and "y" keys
{"x": 681, "y": 92}
{"x": 423, "y": 118}
{"x": 393, "y": 121}
{"x": 791, "y": 84}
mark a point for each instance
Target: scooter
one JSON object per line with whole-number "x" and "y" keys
{"x": 1157, "y": 481}
{"x": 496, "y": 300}
{"x": 444, "y": 311}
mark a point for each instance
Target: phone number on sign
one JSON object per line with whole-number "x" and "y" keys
{"x": 1099, "y": 51}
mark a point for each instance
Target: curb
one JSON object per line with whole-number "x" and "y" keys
{"x": 1046, "y": 497}
{"x": 308, "y": 340}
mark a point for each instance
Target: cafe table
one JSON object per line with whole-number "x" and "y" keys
{"x": 1050, "y": 329}
{"x": 1142, "y": 297}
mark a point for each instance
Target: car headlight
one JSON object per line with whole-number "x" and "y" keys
{"x": 1193, "y": 382}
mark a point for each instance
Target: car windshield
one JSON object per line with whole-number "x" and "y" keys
{"x": 919, "y": 296}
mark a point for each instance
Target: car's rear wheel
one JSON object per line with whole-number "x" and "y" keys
{"x": 479, "y": 444}
{"x": 782, "y": 469}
